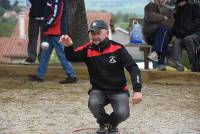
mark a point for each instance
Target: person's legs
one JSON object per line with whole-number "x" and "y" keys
{"x": 42, "y": 38}
{"x": 177, "y": 50}
{"x": 96, "y": 103}
{"x": 61, "y": 55}
{"x": 44, "y": 60}
{"x": 33, "y": 32}
{"x": 161, "y": 43}
{"x": 176, "y": 58}
{"x": 120, "y": 105}
{"x": 189, "y": 42}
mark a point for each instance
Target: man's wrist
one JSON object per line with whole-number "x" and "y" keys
{"x": 137, "y": 90}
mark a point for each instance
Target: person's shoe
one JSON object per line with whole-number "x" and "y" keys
{"x": 68, "y": 80}
{"x": 35, "y": 78}
{"x": 161, "y": 68}
{"x": 29, "y": 61}
{"x": 153, "y": 56}
{"x": 102, "y": 129}
{"x": 175, "y": 64}
{"x": 113, "y": 129}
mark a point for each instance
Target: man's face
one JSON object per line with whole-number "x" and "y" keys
{"x": 96, "y": 37}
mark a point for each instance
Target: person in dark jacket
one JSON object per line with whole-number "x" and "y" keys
{"x": 157, "y": 28}
{"x": 186, "y": 30}
{"x": 105, "y": 60}
{"x": 36, "y": 17}
{"x": 54, "y": 26}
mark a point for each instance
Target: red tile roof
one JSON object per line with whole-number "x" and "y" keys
{"x": 14, "y": 46}
{"x": 3, "y": 49}
{"x": 17, "y": 47}
{"x": 94, "y": 15}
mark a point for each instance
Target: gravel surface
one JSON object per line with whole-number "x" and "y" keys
{"x": 50, "y": 108}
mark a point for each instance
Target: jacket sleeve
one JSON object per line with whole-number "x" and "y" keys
{"x": 170, "y": 22}
{"x": 77, "y": 55}
{"x": 151, "y": 16}
{"x": 195, "y": 22}
{"x": 132, "y": 68}
{"x": 54, "y": 12}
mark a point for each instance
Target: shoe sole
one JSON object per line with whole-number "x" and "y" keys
{"x": 28, "y": 63}
{"x": 32, "y": 79}
{"x": 174, "y": 66}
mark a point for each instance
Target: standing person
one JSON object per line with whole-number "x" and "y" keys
{"x": 105, "y": 60}
{"x": 36, "y": 17}
{"x": 54, "y": 26}
{"x": 157, "y": 29}
{"x": 186, "y": 30}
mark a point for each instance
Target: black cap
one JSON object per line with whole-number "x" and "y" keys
{"x": 97, "y": 25}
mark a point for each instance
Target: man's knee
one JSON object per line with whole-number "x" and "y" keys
{"x": 93, "y": 103}
{"x": 122, "y": 115}
{"x": 188, "y": 40}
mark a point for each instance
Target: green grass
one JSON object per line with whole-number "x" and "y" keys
{"x": 186, "y": 62}
{"x": 6, "y": 29}
{"x": 54, "y": 58}
{"x": 123, "y": 25}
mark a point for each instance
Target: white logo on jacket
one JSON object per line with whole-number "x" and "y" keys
{"x": 112, "y": 59}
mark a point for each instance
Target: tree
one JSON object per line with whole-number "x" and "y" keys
{"x": 5, "y": 4}
{"x": 77, "y": 22}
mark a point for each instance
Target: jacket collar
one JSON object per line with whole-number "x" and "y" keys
{"x": 102, "y": 45}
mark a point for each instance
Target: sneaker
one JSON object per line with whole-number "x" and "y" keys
{"x": 35, "y": 78}
{"x": 176, "y": 64}
{"x": 102, "y": 129}
{"x": 29, "y": 61}
{"x": 153, "y": 56}
{"x": 161, "y": 68}
{"x": 113, "y": 129}
{"x": 68, "y": 80}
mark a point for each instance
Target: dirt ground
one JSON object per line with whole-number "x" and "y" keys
{"x": 50, "y": 108}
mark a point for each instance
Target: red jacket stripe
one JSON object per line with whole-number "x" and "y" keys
{"x": 82, "y": 47}
{"x": 125, "y": 88}
{"x": 110, "y": 49}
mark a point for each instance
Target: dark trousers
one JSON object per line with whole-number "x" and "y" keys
{"x": 34, "y": 30}
{"x": 188, "y": 43}
{"x": 160, "y": 40}
{"x": 119, "y": 102}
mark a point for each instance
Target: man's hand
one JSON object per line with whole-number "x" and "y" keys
{"x": 66, "y": 40}
{"x": 137, "y": 97}
{"x": 165, "y": 18}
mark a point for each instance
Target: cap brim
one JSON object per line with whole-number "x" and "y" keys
{"x": 94, "y": 29}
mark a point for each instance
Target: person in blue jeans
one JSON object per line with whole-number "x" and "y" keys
{"x": 158, "y": 23}
{"x": 54, "y": 26}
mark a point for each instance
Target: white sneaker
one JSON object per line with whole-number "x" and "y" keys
{"x": 153, "y": 56}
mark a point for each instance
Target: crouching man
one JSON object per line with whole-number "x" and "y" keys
{"x": 105, "y": 60}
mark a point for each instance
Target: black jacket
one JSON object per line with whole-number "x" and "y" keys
{"x": 187, "y": 20}
{"x": 105, "y": 63}
{"x": 37, "y": 8}
{"x": 55, "y": 17}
